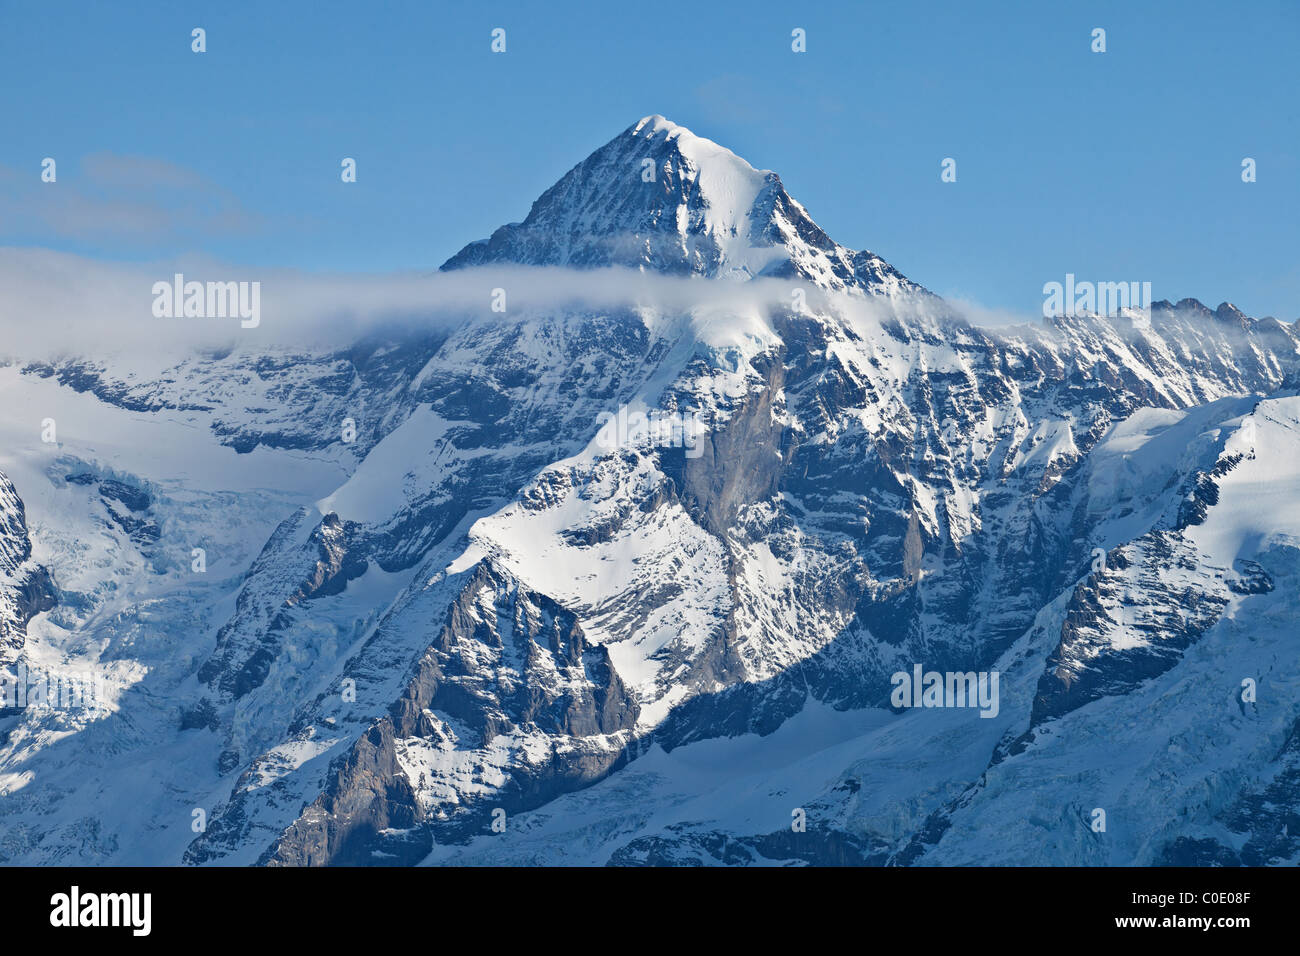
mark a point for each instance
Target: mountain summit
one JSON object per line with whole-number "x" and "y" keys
{"x": 660, "y": 198}
{"x": 645, "y": 579}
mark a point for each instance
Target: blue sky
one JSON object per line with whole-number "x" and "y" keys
{"x": 1117, "y": 166}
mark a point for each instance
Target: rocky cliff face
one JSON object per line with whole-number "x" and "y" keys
{"x": 25, "y": 587}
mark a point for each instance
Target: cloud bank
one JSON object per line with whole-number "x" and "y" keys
{"x": 55, "y": 303}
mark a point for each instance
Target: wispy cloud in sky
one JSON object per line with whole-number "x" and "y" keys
{"x": 59, "y": 303}
{"x": 140, "y": 201}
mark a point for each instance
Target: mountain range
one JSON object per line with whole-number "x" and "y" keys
{"x": 403, "y": 602}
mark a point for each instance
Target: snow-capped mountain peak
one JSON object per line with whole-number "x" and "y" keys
{"x": 661, "y": 198}
{"x": 642, "y": 579}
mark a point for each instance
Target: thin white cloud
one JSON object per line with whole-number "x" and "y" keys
{"x": 59, "y": 303}
{"x": 990, "y": 318}
{"x": 137, "y": 200}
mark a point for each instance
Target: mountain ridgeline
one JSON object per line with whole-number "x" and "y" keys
{"x": 502, "y": 639}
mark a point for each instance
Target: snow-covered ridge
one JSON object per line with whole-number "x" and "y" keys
{"x": 659, "y": 197}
